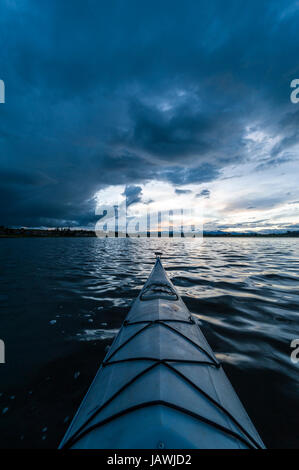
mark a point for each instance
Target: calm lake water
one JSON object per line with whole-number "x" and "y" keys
{"x": 63, "y": 300}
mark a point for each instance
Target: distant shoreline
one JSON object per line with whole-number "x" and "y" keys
{"x": 68, "y": 233}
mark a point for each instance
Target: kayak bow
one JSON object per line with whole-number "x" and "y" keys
{"x": 160, "y": 384}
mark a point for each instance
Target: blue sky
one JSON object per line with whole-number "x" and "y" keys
{"x": 169, "y": 99}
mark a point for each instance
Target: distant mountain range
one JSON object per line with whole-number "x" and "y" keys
{"x": 6, "y": 232}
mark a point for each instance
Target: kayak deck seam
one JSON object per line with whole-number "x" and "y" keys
{"x": 69, "y": 443}
{"x": 175, "y": 320}
{"x": 150, "y": 323}
{"x": 250, "y": 441}
{"x": 162, "y": 361}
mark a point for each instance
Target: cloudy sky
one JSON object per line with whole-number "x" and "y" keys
{"x": 178, "y": 101}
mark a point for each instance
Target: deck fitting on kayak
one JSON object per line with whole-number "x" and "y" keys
{"x": 158, "y": 290}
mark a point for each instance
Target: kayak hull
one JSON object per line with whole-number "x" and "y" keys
{"x": 160, "y": 385}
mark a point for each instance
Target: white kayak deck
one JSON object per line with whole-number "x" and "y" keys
{"x": 160, "y": 385}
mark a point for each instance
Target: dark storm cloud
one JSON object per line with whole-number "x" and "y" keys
{"x": 182, "y": 191}
{"x": 204, "y": 193}
{"x": 104, "y": 93}
{"x": 200, "y": 174}
{"x": 182, "y": 135}
{"x": 289, "y": 126}
{"x": 133, "y": 194}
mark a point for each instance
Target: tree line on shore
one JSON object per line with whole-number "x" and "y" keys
{"x": 6, "y": 232}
